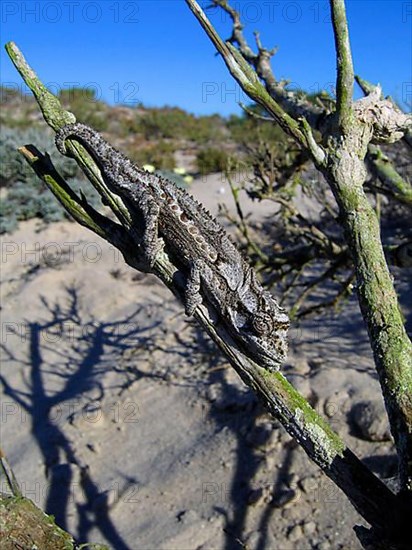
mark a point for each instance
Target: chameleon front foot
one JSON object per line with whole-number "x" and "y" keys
{"x": 193, "y": 298}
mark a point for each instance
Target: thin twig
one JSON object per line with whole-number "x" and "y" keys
{"x": 345, "y": 77}
{"x": 7, "y": 471}
{"x": 344, "y": 292}
{"x": 240, "y": 69}
{"x": 383, "y": 168}
{"x": 296, "y": 106}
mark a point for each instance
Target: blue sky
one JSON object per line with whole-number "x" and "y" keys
{"x": 155, "y": 52}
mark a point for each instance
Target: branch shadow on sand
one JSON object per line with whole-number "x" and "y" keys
{"x": 67, "y": 358}
{"x": 70, "y": 352}
{"x": 235, "y": 409}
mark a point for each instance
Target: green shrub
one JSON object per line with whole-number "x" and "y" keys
{"x": 18, "y": 110}
{"x": 175, "y": 123}
{"x": 82, "y": 102}
{"x": 130, "y": 126}
{"x": 14, "y": 168}
{"x": 211, "y": 160}
{"x": 159, "y": 154}
{"x": 27, "y": 196}
{"x": 247, "y": 129}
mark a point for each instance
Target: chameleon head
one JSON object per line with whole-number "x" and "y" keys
{"x": 263, "y": 332}
{"x": 269, "y": 336}
{"x": 262, "y": 324}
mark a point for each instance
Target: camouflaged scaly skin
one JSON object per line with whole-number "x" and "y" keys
{"x": 215, "y": 270}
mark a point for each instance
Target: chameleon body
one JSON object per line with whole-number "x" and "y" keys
{"x": 215, "y": 271}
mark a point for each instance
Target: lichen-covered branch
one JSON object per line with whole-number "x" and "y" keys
{"x": 383, "y": 168}
{"x": 345, "y": 77}
{"x": 378, "y": 301}
{"x": 24, "y": 525}
{"x": 380, "y": 164}
{"x": 369, "y": 120}
{"x": 368, "y": 88}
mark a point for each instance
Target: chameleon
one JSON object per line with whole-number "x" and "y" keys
{"x": 170, "y": 218}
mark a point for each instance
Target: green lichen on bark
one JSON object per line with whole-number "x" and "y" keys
{"x": 386, "y": 172}
{"x": 23, "y": 525}
{"x": 378, "y": 301}
{"x": 344, "y": 86}
{"x": 314, "y": 430}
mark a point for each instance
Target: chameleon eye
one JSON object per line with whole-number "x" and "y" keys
{"x": 262, "y": 323}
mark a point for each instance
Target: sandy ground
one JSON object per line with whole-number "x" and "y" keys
{"x": 121, "y": 419}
